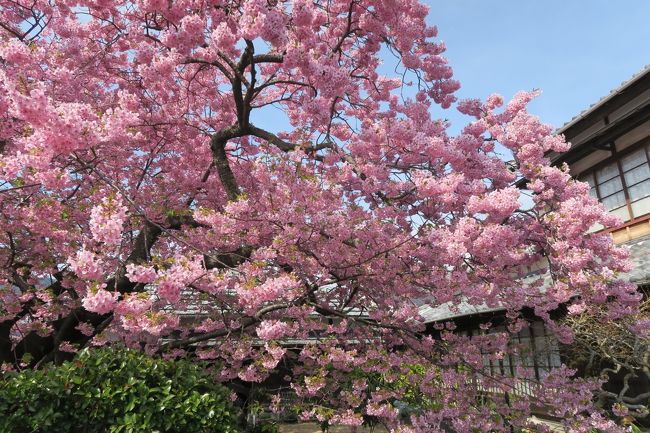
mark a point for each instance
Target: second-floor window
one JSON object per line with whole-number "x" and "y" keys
{"x": 623, "y": 185}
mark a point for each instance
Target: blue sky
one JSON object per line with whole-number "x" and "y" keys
{"x": 575, "y": 51}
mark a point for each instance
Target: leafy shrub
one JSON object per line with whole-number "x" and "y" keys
{"x": 113, "y": 391}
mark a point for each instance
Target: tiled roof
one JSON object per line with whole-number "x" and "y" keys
{"x": 640, "y": 275}
{"x": 446, "y": 311}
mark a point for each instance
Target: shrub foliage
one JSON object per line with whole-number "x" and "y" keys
{"x": 112, "y": 391}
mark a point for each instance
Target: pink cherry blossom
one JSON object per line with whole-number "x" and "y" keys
{"x": 140, "y": 274}
{"x": 347, "y": 418}
{"x": 107, "y": 219}
{"x": 86, "y": 265}
{"x": 143, "y": 184}
{"x": 273, "y": 329}
{"x": 99, "y": 300}
{"x": 85, "y": 328}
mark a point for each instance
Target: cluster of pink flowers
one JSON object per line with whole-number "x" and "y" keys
{"x": 99, "y": 300}
{"x": 223, "y": 36}
{"x": 157, "y": 323}
{"x": 140, "y": 274}
{"x": 273, "y": 355}
{"x": 273, "y": 329}
{"x": 86, "y": 265}
{"x": 258, "y": 20}
{"x": 182, "y": 272}
{"x": 107, "y": 219}
{"x": 67, "y": 347}
{"x": 134, "y": 304}
{"x": 251, "y": 374}
{"x": 270, "y": 290}
{"x": 341, "y": 357}
{"x": 313, "y": 384}
{"x": 150, "y": 322}
{"x": 85, "y": 328}
{"x": 276, "y": 351}
{"x": 347, "y": 417}
{"x": 496, "y": 204}
{"x": 10, "y": 304}
{"x": 384, "y": 410}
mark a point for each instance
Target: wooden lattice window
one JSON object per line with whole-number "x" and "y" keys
{"x": 622, "y": 184}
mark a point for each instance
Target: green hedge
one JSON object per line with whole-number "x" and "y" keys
{"x": 116, "y": 391}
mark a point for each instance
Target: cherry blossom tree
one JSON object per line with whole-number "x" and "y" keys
{"x": 619, "y": 352}
{"x": 146, "y": 201}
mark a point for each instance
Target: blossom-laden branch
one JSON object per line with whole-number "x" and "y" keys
{"x": 148, "y": 197}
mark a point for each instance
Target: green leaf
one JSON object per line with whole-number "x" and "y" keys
{"x": 117, "y": 391}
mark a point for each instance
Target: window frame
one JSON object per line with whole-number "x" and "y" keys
{"x": 617, "y": 157}
{"x": 537, "y": 349}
